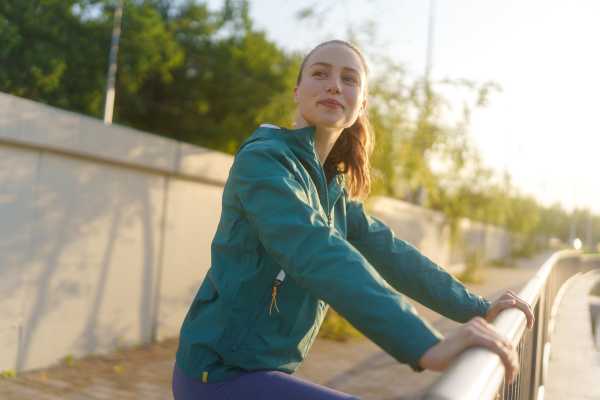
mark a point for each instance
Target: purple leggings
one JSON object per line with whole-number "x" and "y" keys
{"x": 252, "y": 385}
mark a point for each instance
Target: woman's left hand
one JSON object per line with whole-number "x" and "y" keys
{"x": 509, "y": 299}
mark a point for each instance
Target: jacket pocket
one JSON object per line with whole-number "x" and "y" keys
{"x": 269, "y": 294}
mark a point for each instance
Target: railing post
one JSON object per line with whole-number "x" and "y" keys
{"x": 538, "y": 346}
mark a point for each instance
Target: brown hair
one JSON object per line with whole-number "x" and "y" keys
{"x": 352, "y": 150}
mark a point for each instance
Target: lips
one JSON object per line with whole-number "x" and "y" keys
{"x": 331, "y": 103}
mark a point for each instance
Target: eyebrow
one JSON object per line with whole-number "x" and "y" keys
{"x": 331, "y": 66}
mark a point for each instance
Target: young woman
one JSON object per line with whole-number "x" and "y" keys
{"x": 293, "y": 240}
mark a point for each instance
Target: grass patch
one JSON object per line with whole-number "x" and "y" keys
{"x": 9, "y": 373}
{"x": 335, "y": 327}
{"x": 475, "y": 270}
{"x": 595, "y": 290}
{"x": 70, "y": 360}
{"x": 502, "y": 264}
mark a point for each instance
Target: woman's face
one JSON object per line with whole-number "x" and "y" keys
{"x": 330, "y": 93}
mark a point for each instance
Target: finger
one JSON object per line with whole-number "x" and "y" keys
{"x": 528, "y": 313}
{"x": 499, "y": 306}
{"x": 492, "y": 340}
{"x": 509, "y": 295}
{"x": 491, "y": 331}
{"x": 520, "y": 304}
{"x": 478, "y": 321}
{"x": 507, "y": 303}
{"x": 526, "y": 308}
{"x": 505, "y": 345}
{"x": 509, "y": 356}
{"x": 486, "y": 331}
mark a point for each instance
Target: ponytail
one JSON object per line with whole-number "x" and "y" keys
{"x": 352, "y": 153}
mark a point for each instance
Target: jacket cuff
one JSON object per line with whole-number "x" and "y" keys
{"x": 429, "y": 338}
{"x": 483, "y": 307}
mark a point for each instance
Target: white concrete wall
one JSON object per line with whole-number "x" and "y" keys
{"x": 429, "y": 231}
{"x": 105, "y": 233}
{"x": 425, "y": 229}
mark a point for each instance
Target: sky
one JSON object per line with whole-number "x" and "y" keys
{"x": 545, "y": 55}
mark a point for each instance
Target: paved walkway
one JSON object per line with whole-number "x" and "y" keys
{"x": 574, "y": 368}
{"x": 359, "y": 368}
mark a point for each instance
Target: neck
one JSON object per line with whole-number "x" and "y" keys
{"x": 325, "y": 138}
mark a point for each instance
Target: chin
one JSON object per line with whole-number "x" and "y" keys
{"x": 330, "y": 122}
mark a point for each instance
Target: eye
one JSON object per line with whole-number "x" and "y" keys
{"x": 350, "y": 78}
{"x": 319, "y": 74}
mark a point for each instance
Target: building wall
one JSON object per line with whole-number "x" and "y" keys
{"x": 105, "y": 233}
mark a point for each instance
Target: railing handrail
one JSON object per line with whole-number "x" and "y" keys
{"x": 483, "y": 367}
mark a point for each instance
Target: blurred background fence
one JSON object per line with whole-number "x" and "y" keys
{"x": 105, "y": 233}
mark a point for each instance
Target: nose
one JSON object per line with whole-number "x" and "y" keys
{"x": 334, "y": 87}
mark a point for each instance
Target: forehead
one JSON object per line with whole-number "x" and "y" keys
{"x": 338, "y": 55}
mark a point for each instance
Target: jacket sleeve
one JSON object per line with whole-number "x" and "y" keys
{"x": 319, "y": 259}
{"x": 408, "y": 271}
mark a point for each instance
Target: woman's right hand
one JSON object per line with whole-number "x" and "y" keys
{"x": 476, "y": 332}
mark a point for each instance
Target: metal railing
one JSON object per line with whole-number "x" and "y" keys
{"x": 478, "y": 374}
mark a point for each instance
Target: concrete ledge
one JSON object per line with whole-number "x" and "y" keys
{"x": 25, "y": 123}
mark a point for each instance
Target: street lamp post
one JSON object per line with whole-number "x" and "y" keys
{"x": 588, "y": 239}
{"x": 112, "y": 65}
{"x": 430, "y": 40}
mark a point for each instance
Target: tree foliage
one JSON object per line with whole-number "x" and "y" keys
{"x": 210, "y": 78}
{"x": 232, "y": 79}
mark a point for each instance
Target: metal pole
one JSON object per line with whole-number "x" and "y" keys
{"x": 572, "y": 232}
{"x": 112, "y": 65}
{"x": 588, "y": 238}
{"x": 543, "y": 191}
{"x": 430, "y": 39}
{"x": 506, "y": 158}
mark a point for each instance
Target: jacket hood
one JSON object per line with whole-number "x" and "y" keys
{"x": 300, "y": 141}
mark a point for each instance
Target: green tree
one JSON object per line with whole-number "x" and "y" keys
{"x": 56, "y": 55}
{"x": 232, "y": 79}
{"x": 41, "y": 43}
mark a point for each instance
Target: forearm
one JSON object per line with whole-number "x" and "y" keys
{"x": 414, "y": 275}
{"x": 410, "y": 272}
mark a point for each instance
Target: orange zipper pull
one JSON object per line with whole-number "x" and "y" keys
{"x": 273, "y": 294}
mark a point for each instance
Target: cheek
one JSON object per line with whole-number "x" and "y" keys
{"x": 310, "y": 91}
{"x": 307, "y": 96}
{"x": 355, "y": 99}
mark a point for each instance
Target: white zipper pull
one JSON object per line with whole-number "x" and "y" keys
{"x": 280, "y": 276}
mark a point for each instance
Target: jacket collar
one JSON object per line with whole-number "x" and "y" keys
{"x": 302, "y": 143}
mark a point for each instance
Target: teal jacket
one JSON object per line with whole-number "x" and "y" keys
{"x": 288, "y": 245}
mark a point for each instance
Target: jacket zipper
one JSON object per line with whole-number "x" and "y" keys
{"x": 326, "y": 190}
{"x": 272, "y": 292}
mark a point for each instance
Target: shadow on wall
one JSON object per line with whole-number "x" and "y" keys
{"x": 90, "y": 276}
{"x": 85, "y": 226}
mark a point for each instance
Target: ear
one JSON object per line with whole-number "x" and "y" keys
{"x": 362, "y": 107}
{"x": 296, "y": 96}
